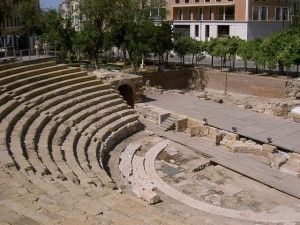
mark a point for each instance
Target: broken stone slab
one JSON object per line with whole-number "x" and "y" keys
{"x": 292, "y": 166}
{"x": 149, "y": 196}
{"x": 197, "y": 164}
{"x": 269, "y": 148}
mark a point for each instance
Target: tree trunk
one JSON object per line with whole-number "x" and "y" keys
{"x": 193, "y": 59}
{"x": 224, "y": 62}
{"x": 297, "y": 71}
{"x": 245, "y": 66}
{"x": 256, "y": 68}
{"x": 281, "y": 69}
{"x": 212, "y": 62}
{"x": 124, "y": 54}
{"x": 182, "y": 60}
{"x": 221, "y": 63}
{"x": 233, "y": 63}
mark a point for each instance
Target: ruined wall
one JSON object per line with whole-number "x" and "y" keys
{"x": 200, "y": 79}
{"x": 244, "y": 84}
{"x": 177, "y": 79}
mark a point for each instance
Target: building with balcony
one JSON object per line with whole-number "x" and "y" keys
{"x": 12, "y": 36}
{"x": 247, "y": 19}
{"x": 70, "y": 9}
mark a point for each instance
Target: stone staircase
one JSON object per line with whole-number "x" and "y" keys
{"x": 56, "y": 126}
{"x": 169, "y": 123}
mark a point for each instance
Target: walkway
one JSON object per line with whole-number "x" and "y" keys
{"x": 284, "y": 133}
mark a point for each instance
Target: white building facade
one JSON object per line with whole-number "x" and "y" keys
{"x": 247, "y": 19}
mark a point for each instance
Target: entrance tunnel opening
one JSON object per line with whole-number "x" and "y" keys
{"x": 127, "y": 92}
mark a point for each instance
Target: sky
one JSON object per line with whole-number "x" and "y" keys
{"x": 49, "y": 3}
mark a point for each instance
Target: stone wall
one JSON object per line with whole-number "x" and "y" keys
{"x": 176, "y": 79}
{"x": 200, "y": 79}
{"x": 242, "y": 83}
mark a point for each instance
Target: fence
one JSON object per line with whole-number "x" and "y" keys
{"x": 8, "y": 53}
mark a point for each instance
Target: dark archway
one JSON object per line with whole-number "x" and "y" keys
{"x": 127, "y": 92}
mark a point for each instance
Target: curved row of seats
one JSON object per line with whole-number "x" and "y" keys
{"x": 57, "y": 123}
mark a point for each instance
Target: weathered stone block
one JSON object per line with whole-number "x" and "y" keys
{"x": 181, "y": 125}
{"x": 195, "y": 131}
{"x": 269, "y": 148}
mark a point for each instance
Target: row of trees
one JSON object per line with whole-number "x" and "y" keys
{"x": 104, "y": 24}
{"x": 126, "y": 24}
{"x": 28, "y": 19}
{"x": 282, "y": 50}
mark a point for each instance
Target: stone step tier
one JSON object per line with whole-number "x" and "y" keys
{"x": 57, "y": 124}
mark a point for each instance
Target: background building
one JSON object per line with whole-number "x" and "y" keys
{"x": 70, "y": 8}
{"x": 247, "y": 19}
{"x": 12, "y": 36}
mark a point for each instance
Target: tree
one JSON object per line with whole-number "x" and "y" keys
{"x": 277, "y": 47}
{"x": 134, "y": 30}
{"x": 209, "y": 48}
{"x": 30, "y": 18}
{"x": 4, "y": 11}
{"x": 138, "y": 41}
{"x": 245, "y": 51}
{"x": 183, "y": 46}
{"x": 258, "y": 57}
{"x": 162, "y": 40}
{"x": 221, "y": 50}
{"x": 58, "y": 32}
{"x": 291, "y": 54}
{"x": 95, "y": 17}
{"x": 233, "y": 44}
{"x": 196, "y": 50}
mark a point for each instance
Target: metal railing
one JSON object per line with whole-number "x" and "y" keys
{"x": 7, "y": 53}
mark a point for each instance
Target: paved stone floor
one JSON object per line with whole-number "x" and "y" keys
{"x": 284, "y": 133}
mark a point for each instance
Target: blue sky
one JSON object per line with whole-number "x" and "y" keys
{"x": 49, "y": 3}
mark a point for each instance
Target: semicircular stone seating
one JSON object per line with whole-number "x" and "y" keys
{"x": 57, "y": 123}
{"x": 139, "y": 170}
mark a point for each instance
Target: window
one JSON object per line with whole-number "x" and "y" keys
{"x": 196, "y": 30}
{"x": 277, "y": 13}
{"x": 223, "y": 30}
{"x": 180, "y": 14}
{"x": 264, "y": 13}
{"x": 255, "y": 13}
{"x": 206, "y": 32}
{"x": 285, "y": 14}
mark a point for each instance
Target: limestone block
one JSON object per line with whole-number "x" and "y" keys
{"x": 213, "y": 132}
{"x": 292, "y": 166}
{"x": 204, "y": 130}
{"x": 248, "y": 147}
{"x": 269, "y": 148}
{"x": 181, "y": 125}
{"x": 150, "y": 197}
{"x": 219, "y": 138}
{"x": 195, "y": 131}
